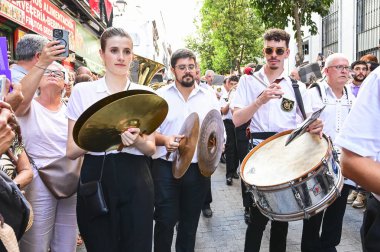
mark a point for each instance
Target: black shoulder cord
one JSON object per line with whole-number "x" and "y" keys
{"x": 298, "y": 97}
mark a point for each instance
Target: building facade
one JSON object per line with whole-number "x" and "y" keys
{"x": 351, "y": 27}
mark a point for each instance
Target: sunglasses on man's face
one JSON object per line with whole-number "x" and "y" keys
{"x": 278, "y": 50}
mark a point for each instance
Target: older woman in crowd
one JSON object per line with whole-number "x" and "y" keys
{"x": 44, "y": 123}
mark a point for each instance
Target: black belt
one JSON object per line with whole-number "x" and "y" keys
{"x": 262, "y": 135}
{"x": 259, "y": 135}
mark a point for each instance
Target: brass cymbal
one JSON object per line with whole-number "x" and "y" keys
{"x": 98, "y": 129}
{"x": 210, "y": 144}
{"x": 185, "y": 152}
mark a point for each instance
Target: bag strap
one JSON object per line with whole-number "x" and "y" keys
{"x": 316, "y": 85}
{"x": 31, "y": 161}
{"x": 101, "y": 170}
{"x": 298, "y": 97}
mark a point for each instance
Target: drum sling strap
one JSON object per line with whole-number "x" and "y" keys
{"x": 298, "y": 97}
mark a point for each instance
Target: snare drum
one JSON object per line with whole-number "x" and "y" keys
{"x": 292, "y": 182}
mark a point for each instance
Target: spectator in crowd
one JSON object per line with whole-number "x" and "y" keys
{"x": 14, "y": 162}
{"x": 232, "y": 160}
{"x": 209, "y": 75}
{"x": 69, "y": 83}
{"x": 82, "y": 78}
{"x": 295, "y": 75}
{"x": 28, "y": 51}
{"x": 360, "y": 70}
{"x": 83, "y": 70}
{"x": 54, "y": 224}
{"x": 371, "y": 60}
{"x": 6, "y": 133}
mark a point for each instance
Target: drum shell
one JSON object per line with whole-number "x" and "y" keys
{"x": 301, "y": 197}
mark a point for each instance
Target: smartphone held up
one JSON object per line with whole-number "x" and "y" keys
{"x": 63, "y": 37}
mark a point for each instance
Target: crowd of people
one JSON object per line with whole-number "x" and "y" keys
{"x": 142, "y": 197}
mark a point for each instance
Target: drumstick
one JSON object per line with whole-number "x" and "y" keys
{"x": 260, "y": 80}
{"x": 265, "y": 85}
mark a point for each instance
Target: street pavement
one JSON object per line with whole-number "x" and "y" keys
{"x": 225, "y": 231}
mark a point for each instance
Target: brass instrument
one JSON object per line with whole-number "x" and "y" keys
{"x": 143, "y": 69}
{"x": 157, "y": 85}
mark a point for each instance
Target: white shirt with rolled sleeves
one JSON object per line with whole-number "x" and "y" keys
{"x": 87, "y": 93}
{"x": 335, "y": 112}
{"x": 270, "y": 117}
{"x": 200, "y": 101}
{"x": 360, "y": 132}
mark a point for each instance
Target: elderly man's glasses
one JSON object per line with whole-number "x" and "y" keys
{"x": 340, "y": 67}
{"x": 278, "y": 50}
{"x": 190, "y": 67}
{"x": 55, "y": 73}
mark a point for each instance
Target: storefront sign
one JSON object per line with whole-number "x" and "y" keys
{"x": 87, "y": 46}
{"x": 39, "y": 16}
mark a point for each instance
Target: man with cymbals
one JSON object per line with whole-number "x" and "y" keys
{"x": 179, "y": 199}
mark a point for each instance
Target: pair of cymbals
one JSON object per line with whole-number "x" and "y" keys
{"x": 208, "y": 140}
{"x": 98, "y": 129}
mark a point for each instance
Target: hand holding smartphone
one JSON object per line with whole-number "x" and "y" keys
{"x": 63, "y": 37}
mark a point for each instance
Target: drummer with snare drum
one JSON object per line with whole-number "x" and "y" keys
{"x": 268, "y": 99}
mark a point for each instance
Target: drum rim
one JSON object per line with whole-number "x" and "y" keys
{"x": 303, "y": 175}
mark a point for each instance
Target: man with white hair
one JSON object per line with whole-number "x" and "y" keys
{"x": 209, "y": 75}
{"x": 333, "y": 94}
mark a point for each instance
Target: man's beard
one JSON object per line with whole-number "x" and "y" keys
{"x": 187, "y": 83}
{"x": 359, "y": 80}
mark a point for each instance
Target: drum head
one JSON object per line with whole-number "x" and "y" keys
{"x": 272, "y": 163}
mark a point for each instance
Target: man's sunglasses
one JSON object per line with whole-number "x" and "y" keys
{"x": 278, "y": 50}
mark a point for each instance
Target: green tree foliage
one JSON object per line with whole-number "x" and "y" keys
{"x": 228, "y": 35}
{"x": 278, "y": 13}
